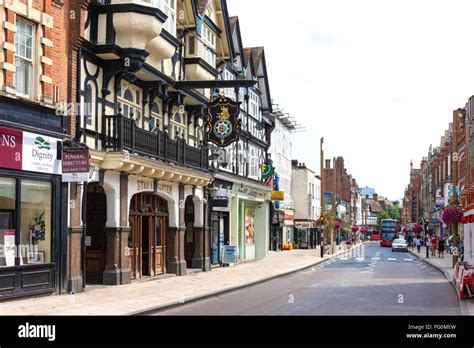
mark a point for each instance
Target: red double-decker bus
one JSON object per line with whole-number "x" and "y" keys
{"x": 388, "y": 232}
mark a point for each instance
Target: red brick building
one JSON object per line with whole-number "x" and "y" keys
{"x": 36, "y": 73}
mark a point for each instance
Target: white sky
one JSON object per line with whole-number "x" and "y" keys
{"x": 378, "y": 79}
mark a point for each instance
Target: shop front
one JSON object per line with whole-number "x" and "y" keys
{"x": 33, "y": 219}
{"x": 250, "y": 220}
{"x": 305, "y": 234}
{"x": 220, "y": 219}
{"x": 277, "y": 227}
{"x": 288, "y": 228}
{"x": 144, "y": 219}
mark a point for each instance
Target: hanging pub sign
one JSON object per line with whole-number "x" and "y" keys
{"x": 222, "y": 121}
{"x": 267, "y": 173}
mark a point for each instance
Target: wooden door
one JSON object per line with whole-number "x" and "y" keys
{"x": 159, "y": 249}
{"x": 135, "y": 247}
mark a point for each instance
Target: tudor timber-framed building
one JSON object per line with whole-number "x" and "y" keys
{"x": 241, "y": 206}
{"x": 146, "y": 207}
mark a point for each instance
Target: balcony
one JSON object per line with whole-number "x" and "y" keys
{"x": 121, "y": 133}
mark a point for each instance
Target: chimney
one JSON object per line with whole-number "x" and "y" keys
{"x": 366, "y": 196}
{"x": 376, "y": 197}
{"x": 328, "y": 164}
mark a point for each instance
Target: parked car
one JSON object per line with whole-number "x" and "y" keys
{"x": 400, "y": 244}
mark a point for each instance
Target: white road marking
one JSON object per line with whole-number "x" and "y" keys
{"x": 392, "y": 259}
{"x": 375, "y": 258}
{"x": 313, "y": 269}
{"x": 360, "y": 259}
{"x": 408, "y": 259}
{"x": 343, "y": 258}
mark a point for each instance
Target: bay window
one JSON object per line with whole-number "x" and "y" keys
{"x": 169, "y": 9}
{"x": 207, "y": 46}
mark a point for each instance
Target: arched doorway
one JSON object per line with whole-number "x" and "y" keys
{"x": 147, "y": 239}
{"x": 189, "y": 234}
{"x": 96, "y": 241}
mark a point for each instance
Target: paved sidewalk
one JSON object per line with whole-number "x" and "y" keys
{"x": 141, "y": 296}
{"x": 445, "y": 265}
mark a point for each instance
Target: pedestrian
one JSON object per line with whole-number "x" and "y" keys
{"x": 428, "y": 243}
{"x": 434, "y": 243}
{"x": 418, "y": 244}
{"x": 441, "y": 248}
{"x": 410, "y": 241}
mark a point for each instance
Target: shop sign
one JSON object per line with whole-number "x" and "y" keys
{"x": 75, "y": 165}
{"x": 289, "y": 217}
{"x": 304, "y": 224}
{"x": 222, "y": 122}
{"x": 278, "y": 196}
{"x": 165, "y": 188}
{"x": 144, "y": 185}
{"x": 230, "y": 254}
{"x": 40, "y": 154}
{"x": 252, "y": 193}
{"x": 222, "y": 199}
{"x": 439, "y": 202}
{"x": 11, "y": 142}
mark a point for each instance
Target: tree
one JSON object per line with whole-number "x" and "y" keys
{"x": 395, "y": 213}
{"x": 392, "y": 212}
{"x": 382, "y": 215}
{"x": 329, "y": 223}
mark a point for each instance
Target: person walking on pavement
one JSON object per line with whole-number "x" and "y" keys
{"x": 418, "y": 244}
{"x": 428, "y": 242}
{"x": 410, "y": 241}
{"x": 441, "y": 248}
{"x": 434, "y": 243}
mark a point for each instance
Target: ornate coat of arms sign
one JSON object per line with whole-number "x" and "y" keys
{"x": 223, "y": 125}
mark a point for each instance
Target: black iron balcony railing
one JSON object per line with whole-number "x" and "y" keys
{"x": 121, "y": 133}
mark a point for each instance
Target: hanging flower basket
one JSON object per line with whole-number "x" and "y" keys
{"x": 337, "y": 225}
{"x": 452, "y": 215}
{"x": 417, "y": 228}
{"x": 405, "y": 229}
{"x": 354, "y": 229}
{"x": 364, "y": 230}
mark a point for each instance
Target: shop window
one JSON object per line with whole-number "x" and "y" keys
{"x": 35, "y": 227}
{"x": 249, "y": 226}
{"x": 7, "y": 222}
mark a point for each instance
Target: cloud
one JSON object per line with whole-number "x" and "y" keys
{"x": 377, "y": 79}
